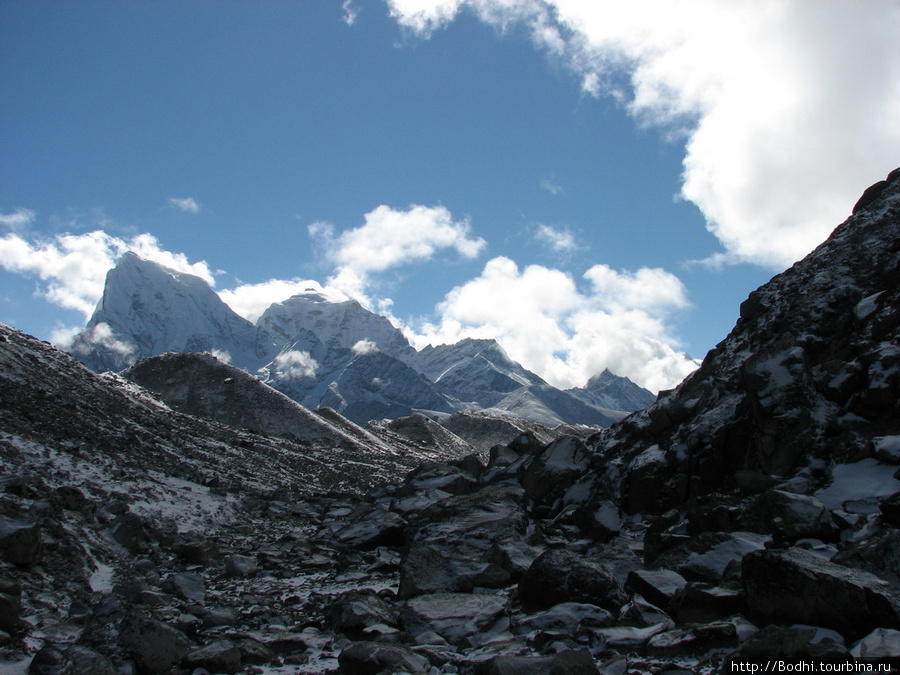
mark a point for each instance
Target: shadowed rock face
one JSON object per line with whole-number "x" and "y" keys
{"x": 760, "y": 494}
{"x": 809, "y": 374}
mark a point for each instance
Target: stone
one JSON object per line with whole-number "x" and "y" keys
{"x": 452, "y": 542}
{"x": 570, "y": 662}
{"x": 555, "y": 468}
{"x": 659, "y": 587}
{"x": 352, "y": 613}
{"x": 789, "y": 516}
{"x": 639, "y": 613}
{"x": 693, "y": 640}
{"x": 704, "y": 603}
{"x": 69, "y": 660}
{"x": 881, "y": 643}
{"x": 154, "y": 645}
{"x": 571, "y": 618}
{"x": 375, "y": 527}
{"x": 797, "y": 586}
{"x": 791, "y": 643}
{"x": 188, "y": 586}
{"x": 20, "y": 541}
{"x": 372, "y": 658}
{"x": 240, "y": 566}
{"x": 451, "y": 478}
{"x": 221, "y": 656}
{"x": 254, "y": 652}
{"x": 128, "y": 530}
{"x": 626, "y": 639}
{"x": 10, "y": 611}
{"x": 456, "y": 617}
{"x": 890, "y": 509}
{"x": 560, "y": 575}
{"x": 711, "y": 564}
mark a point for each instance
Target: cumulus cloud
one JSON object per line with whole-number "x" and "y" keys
{"x": 565, "y": 333}
{"x": 186, "y": 204}
{"x": 561, "y": 241}
{"x": 295, "y": 365}
{"x": 389, "y": 238}
{"x": 787, "y": 109}
{"x": 364, "y": 346}
{"x": 73, "y": 267}
{"x": 102, "y": 334}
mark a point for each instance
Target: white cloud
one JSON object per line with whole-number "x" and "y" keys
{"x": 73, "y": 267}
{"x": 390, "y": 238}
{"x": 251, "y": 300}
{"x": 788, "y": 108}
{"x": 102, "y": 335}
{"x": 221, "y": 355}
{"x": 566, "y": 335}
{"x": 295, "y": 365}
{"x": 18, "y": 219}
{"x": 561, "y": 241}
{"x": 551, "y": 186}
{"x": 186, "y": 204}
{"x": 364, "y": 346}
{"x": 350, "y": 12}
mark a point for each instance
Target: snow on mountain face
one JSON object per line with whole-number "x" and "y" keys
{"x": 320, "y": 352}
{"x": 473, "y": 371}
{"x": 335, "y": 325}
{"x": 148, "y": 309}
{"x": 613, "y": 392}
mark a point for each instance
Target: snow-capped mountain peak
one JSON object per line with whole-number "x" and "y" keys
{"x": 148, "y": 308}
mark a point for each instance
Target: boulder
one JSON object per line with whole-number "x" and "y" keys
{"x": 453, "y": 542}
{"x": 695, "y": 639}
{"x": 20, "y": 541}
{"x": 188, "y": 586}
{"x": 221, "y": 656}
{"x": 128, "y": 530}
{"x": 570, "y": 618}
{"x": 796, "y": 586}
{"x": 69, "y": 660}
{"x": 352, "y": 613}
{"x": 555, "y": 468}
{"x": 10, "y": 604}
{"x": 659, "y": 587}
{"x": 154, "y": 645}
{"x": 881, "y": 643}
{"x": 372, "y": 658}
{"x": 704, "y": 603}
{"x": 456, "y": 617}
{"x": 240, "y": 566}
{"x": 789, "y": 516}
{"x": 571, "y": 662}
{"x": 560, "y": 575}
{"x": 793, "y": 644}
{"x": 374, "y": 527}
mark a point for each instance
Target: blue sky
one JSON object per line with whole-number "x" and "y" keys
{"x": 595, "y": 186}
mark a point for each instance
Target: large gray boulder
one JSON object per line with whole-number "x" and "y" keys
{"x": 560, "y": 575}
{"x": 454, "y": 544}
{"x": 796, "y": 586}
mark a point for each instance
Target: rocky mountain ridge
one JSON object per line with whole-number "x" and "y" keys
{"x": 321, "y": 351}
{"x": 748, "y": 517}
